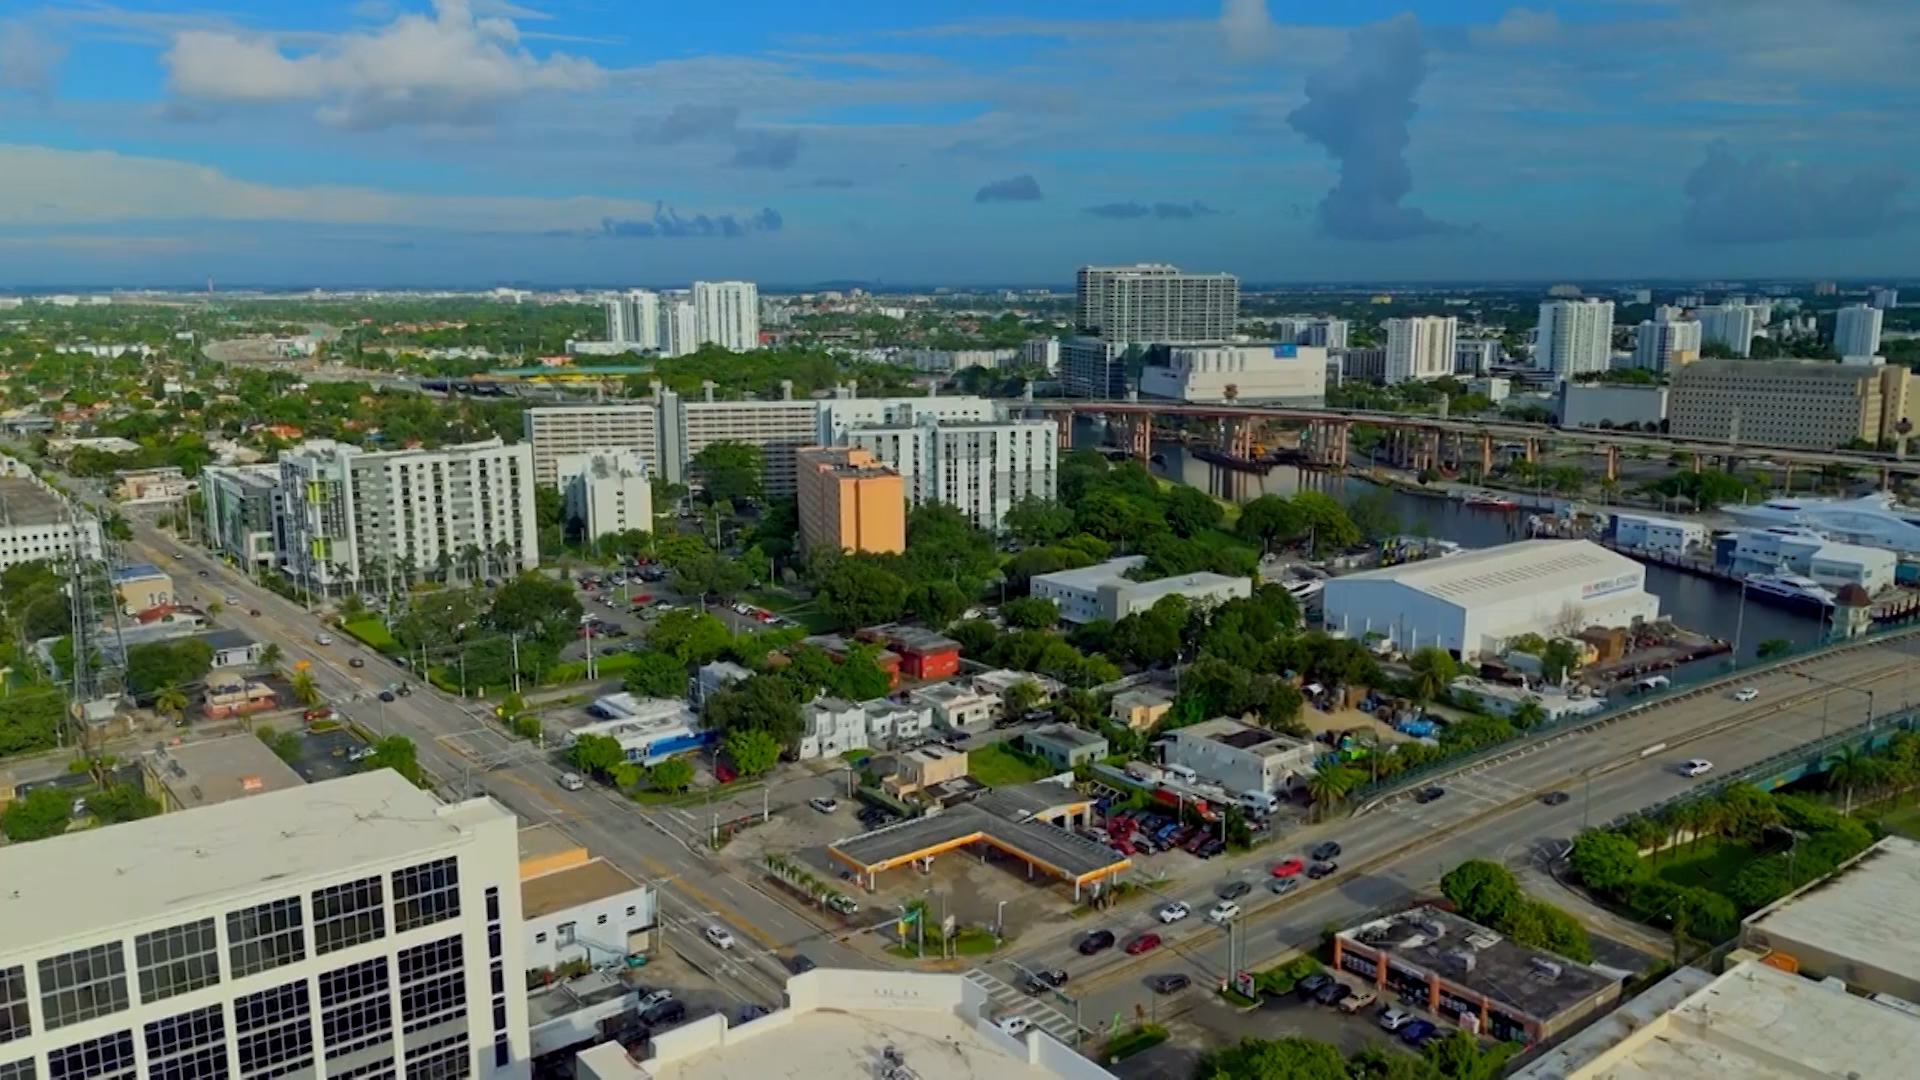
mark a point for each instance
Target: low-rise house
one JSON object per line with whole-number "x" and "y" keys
{"x": 1064, "y": 746}
{"x": 141, "y": 587}
{"x": 833, "y": 726}
{"x": 1141, "y": 707}
{"x": 710, "y": 679}
{"x": 230, "y": 695}
{"x": 1001, "y": 680}
{"x": 928, "y": 767}
{"x": 924, "y": 654}
{"x": 232, "y": 648}
{"x": 578, "y": 909}
{"x": 958, "y": 708}
{"x": 1240, "y": 757}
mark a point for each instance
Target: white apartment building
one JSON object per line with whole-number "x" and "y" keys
{"x": 556, "y": 431}
{"x": 1576, "y": 337}
{"x": 1732, "y": 324}
{"x": 679, "y": 328}
{"x": 833, "y": 726}
{"x": 1886, "y": 299}
{"x": 981, "y": 468}
{"x": 1477, "y": 356}
{"x": 728, "y": 313}
{"x": 37, "y": 523}
{"x": 1103, "y": 590}
{"x": 778, "y": 428}
{"x": 606, "y": 492}
{"x": 844, "y": 412}
{"x": 1093, "y": 368}
{"x": 1153, "y": 302}
{"x": 1668, "y": 341}
{"x": 353, "y": 928}
{"x": 350, "y": 516}
{"x": 1856, "y": 330}
{"x": 1279, "y": 374}
{"x": 633, "y": 318}
{"x": 1324, "y": 334}
{"x": 1421, "y": 347}
{"x": 1042, "y": 353}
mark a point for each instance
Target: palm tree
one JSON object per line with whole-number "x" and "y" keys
{"x": 470, "y": 557}
{"x": 1528, "y": 715}
{"x": 378, "y": 570}
{"x": 304, "y": 689}
{"x": 443, "y": 565}
{"x": 1854, "y": 768}
{"x": 409, "y": 567}
{"x": 1332, "y": 783}
{"x": 503, "y": 558}
{"x": 171, "y": 701}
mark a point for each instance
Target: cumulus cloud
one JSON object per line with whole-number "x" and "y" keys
{"x": 1022, "y": 188}
{"x": 1520, "y": 26}
{"x": 1247, "y": 28}
{"x": 753, "y": 148}
{"x": 1165, "y": 211}
{"x": 667, "y": 223}
{"x": 1359, "y": 110}
{"x": 29, "y": 59}
{"x": 1757, "y": 200}
{"x": 450, "y": 67}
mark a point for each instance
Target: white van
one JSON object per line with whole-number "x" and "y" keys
{"x": 1181, "y": 773}
{"x": 323, "y": 639}
{"x": 1259, "y": 803}
{"x": 572, "y": 781}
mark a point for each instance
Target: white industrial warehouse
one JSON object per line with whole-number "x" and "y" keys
{"x": 1471, "y": 604}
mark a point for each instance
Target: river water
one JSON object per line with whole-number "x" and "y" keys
{"x": 1695, "y": 603}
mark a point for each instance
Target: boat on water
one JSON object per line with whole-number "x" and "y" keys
{"x": 1872, "y": 520}
{"x": 1789, "y": 590}
{"x": 1487, "y": 500}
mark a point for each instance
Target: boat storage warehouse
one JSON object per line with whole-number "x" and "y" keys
{"x": 1471, "y": 604}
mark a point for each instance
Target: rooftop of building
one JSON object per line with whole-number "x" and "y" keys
{"x": 1067, "y": 735}
{"x": 724, "y": 669}
{"x": 1092, "y": 577}
{"x": 1512, "y": 977}
{"x": 998, "y": 819}
{"x": 1510, "y": 571}
{"x": 1143, "y": 697}
{"x": 1017, "y": 802}
{"x": 915, "y": 639}
{"x": 949, "y": 693}
{"x": 1798, "y": 368}
{"x": 847, "y": 1025}
{"x": 86, "y": 882}
{"x": 220, "y": 770}
{"x": 1181, "y": 583}
{"x": 1760, "y": 1023}
{"x": 572, "y": 995}
{"x": 227, "y": 638}
{"x": 1239, "y": 735}
{"x": 138, "y": 572}
{"x": 1568, "y": 1058}
{"x": 545, "y": 841}
{"x": 25, "y": 503}
{"x": 1852, "y": 913}
{"x": 583, "y": 883}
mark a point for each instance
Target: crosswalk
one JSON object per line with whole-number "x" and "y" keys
{"x": 1479, "y": 788}
{"x": 1009, "y": 1000}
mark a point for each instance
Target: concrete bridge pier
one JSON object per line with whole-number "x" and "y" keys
{"x": 1613, "y": 462}
{"x": 1140, "y": 436}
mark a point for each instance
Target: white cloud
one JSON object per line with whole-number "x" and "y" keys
{"x": 52, "y": 187}
{"x": 28, "y": 58}
{"x": 1520, "y": 26}
{"x": 1248, "y": 28}
{"x": 450, "y": 67}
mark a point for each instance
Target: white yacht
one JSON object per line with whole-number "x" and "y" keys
{"x": 1873, "y": 520}
{"x": 1789, "y": 590}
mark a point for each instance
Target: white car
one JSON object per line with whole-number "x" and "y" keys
{"x": 1395, "y": 1019}
{"x": 719, "y": 938}
{"x": 1696, "y": 767}
{"x": 231, "y": 600}
{"x": 1015, "y": 1026}
{"x": 658, "y": 997}
{"x": 1223, "y": 912}
{"x": 1745, "y": 693}
{"x": 824, "y": 805}
{"x": 1174, "y": 912}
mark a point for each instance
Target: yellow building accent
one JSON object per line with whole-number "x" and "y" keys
{"x": 849, "y": 501}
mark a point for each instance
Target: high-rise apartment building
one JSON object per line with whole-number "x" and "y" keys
{"x": 555, "y": 431}
{"x": 849, "y": 501}
{"x": 604, "y": 492}
{"x": 1807, "y": 405}
{"x": 619, "y": 330}
{"x": 1856, "y": 330}
{"x": 239, "y": 507}
{"x": 352, "y": 928}
{"x": 728, "y": 313}
{"x": 778, "y": 428}
{"x": 1325, "y": 334}
{"x": 1576, "y": 337}
{"x": 1093, "y": 368}
{"x": 1732, "y": 324}
{"x": 844, "y": 411}
{"x": 1477, "y": 356}
{"x": 980, "y": 468}
{"x": 1421, "y": 347}
{"x": 1886, "y": 299}
{"x": 679, "y": 328}
{"x": 1155, "y": 303}
{"x": 351, "y": 517}
{"x": 1666, "y": 342}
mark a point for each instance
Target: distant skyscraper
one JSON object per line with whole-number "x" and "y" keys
{"x": 643, "y": 317}
{"x": 728, "y": 314}
{"x": 1730, "y": 324}
{"x": 1155, "y": 303}
{"x": 618, "y": 330}
{"x": 1886, "y": 299}
{"x": 679, "y": 328}
{"x": 1667, "y": 341}
{"x": 1825, "y": 288}
{"x": 1576, "y": 337}
{"x": 1325, "y": 334}
{"x": 1421, "y": 347}
{"x": 1856, "y": 330}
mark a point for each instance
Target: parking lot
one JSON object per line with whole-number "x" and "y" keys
{"x": 324, "y": 754}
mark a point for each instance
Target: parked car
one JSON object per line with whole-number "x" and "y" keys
{"x": 1360, "y": 999}
{"x": 1312, "y": 984}
{"x": 1143, "y": 943}
{"x": 1169, "y": 984}
{"x": 823, "y": 804}
{"x": 1326, "y": 851}
{"x": 1333, "y": 993}
{"x": 1174, "y": 912}
{"x": 664, "y": 1014}
{"x": 1322, "y": 869}
{"x": 1417, "y": 1032}
{"x": 651, "y": 998}
{"x": 1095, "y": 942}
{"x": 1042, "y": 981}
{"x": 1234, "y": 890}
{"x": 1394, "y": 1019}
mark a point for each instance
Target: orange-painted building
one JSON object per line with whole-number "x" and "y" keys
{"x": 924, "y": 654}
{"x": 849, "y": 501}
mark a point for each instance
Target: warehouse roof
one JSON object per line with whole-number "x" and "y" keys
{"x": 1065, "y": 853}
{"x": 1848, "y": 915}
{"x": 1507, "y": 572}
{"x": 1510, "y": 976}
{"x": 1092, "y": 577}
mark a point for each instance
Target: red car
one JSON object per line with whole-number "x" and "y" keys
{"x": 1143, "y": 943}
{"x": 724, "y": 772}
{"x": 1288, "y": 866}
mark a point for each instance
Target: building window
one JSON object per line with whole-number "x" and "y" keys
{"x": 347, "y": 915}
{"x": 502, "y": 1052}
{"x": 425, "y": 894}
{"x": 191, "y": 1046}
{"x": 442, "y": 1060}
{"x": 433, "y": 984}
{"x": 108, "y": 1057}
{"x": 540, "y": 938}
{"x": 265, "y": 937}
{"x": 15, "y": 1019}
{"x": 276, "y": 1030}
{"x": 177, "y": 959}
{"x": 493, "y": 903}
{"x": 372, "y": 1070}
{"x": 17, "y": 1070}
{"x": 82, "y": 985}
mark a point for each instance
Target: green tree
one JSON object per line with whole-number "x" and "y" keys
{"x": 41, "y": 813}
{"x": 171, "y": 701}
{"x": 1271, "y": 520}
{"x": 671, "y": 775}
{"x": 1433, "y": 671}
{"x": 936, "y": 603}
{"x": 304, "y": 689}
{"x": 1034, "y": 520}
{"x": 396, "y": 752}
{"x": 30, "y": 721}
{"x": 1773, "y": 647}
{"x": 711, "y": 575}
{"x": 691, "y": 637}
{"x": 1031, "y": 613}
{"x": 730, "y": 471}
{"x": 1274, "y": 1059}
{"x": 597, "y": 755}
{"x": 859, "y": 591}
{"x": 656, "y": 675}
{"x": 1852, "y": 769}
{"x": 1021, "y": 697}
{"x": 157, "y": 665}
{"x": 118, "y": 803}
{"x": 758, "y": 703}
{"x": 860, "y": 677}
{"x": 976, "y": 637}
{"x": 1190, "y": 511}
{"x": 270, "y": 656}
{"x": 752, "y": 752}
{"x": 284, "y": 744}
{"x": 1457, "y": 1056}
{"x": 1280, "y": 707}
{"x": 1482, "y": 891}
{"x": 1559, "y": 660}
{"x": 1331, "y": 783}
{"x": 536, "y": 607}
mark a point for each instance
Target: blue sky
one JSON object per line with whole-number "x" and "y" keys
{"x": 474, "y": 142}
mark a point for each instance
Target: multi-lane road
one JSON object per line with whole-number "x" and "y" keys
{"x": 1396, "y": 851}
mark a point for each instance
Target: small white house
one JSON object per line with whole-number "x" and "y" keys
{"x": 591, "y": 910}
{"x": 1668, "y": 535}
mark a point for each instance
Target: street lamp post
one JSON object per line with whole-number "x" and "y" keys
{"x": 1000, "y": 920}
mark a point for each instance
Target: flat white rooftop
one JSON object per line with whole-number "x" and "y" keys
{"x": 1760, "y": 1023}
{"x": 1092, "y": 577}
{"x": 1500, "y": 573}
{"x": 1855, "y": 913}
{"x": 121, "y": 875}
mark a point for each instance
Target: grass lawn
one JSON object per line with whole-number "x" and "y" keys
{"x": 1710, "y": 866}
{"x": 1904, "y": 821}
{"x": 801, "y": 611}
{"x": 372, "y": 632}
{"x": 996, "y": 766}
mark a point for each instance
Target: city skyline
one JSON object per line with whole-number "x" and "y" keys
{"x": 475, "y": 142}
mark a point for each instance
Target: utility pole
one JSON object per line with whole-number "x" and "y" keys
{"x": 516, "y": 662}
